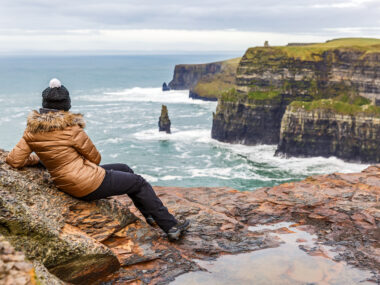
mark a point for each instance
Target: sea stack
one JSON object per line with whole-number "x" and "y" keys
{"x": 165, "y": 87}
{"x": 164, "y": 121}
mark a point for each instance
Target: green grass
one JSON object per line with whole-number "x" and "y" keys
{"x": 355, "y": 99}
{"x": 227, "y": 62}
{"x": 338, "y": 107}
{"x": 342, "y": 42}
{"x": 212, "y": 89}
{"x": 263, "y": 95}
{"x": 229, "y": 95}
{"x": 313, "y": 52}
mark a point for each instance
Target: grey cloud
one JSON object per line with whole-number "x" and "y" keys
{"x": 293, "y": 16}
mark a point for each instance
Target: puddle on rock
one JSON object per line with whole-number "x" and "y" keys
{"x": 287, "y": 264}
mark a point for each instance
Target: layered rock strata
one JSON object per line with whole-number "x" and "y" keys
{"x": 273, "y": 77}
{"x": 342, "y": 210}
{"x": 325, "y": 132}
{"x": 248, "y": 122}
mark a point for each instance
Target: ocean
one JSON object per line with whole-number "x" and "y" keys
{"x": 121, "y": 99}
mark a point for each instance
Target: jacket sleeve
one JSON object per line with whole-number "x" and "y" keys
{"x": 83, "y": 144}
{"x": 21, "y": 155}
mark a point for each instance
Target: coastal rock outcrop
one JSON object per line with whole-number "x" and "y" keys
{"x": 268, "y": 79}
{"x": 65, "y": 234}
{"x": 165, "y": 87}
{"x": 317, "y": 129}
{"x": 164, "y": 121}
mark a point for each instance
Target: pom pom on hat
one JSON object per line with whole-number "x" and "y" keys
{"x": 56, "y": 96}
{"x": 55, "y": 83}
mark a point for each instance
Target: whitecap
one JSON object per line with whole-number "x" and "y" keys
{"x": 149, "y": 178}
{"x": 264, "y": 154}
{"x": 197, "y": 135}
{"x": 111, "y": 141}
{"x": 18, "y": 115}
{"x": 171, "y": 177}
{"x": 138, "y": 94}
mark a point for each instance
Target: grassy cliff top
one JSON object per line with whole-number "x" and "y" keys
{"x": 339, "y": 107}
{"x": 227, "y": 62}
{"x": 313, "y": 52}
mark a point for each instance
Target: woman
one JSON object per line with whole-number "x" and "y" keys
{"x": 63, "y": 147}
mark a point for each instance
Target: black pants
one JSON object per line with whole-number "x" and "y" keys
{"x": 119, "y": 180}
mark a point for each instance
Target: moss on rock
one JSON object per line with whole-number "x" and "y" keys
{"x": 340, "y": 107}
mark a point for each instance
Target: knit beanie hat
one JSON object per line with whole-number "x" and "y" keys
{"x": 56, "y": 96}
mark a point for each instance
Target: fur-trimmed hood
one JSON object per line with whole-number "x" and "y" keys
{"x": 52, "y": 121}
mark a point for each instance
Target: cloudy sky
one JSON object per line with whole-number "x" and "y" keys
{"x": 168, "y": 26}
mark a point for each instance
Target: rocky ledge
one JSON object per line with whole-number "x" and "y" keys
{"x": 108, "y": 242}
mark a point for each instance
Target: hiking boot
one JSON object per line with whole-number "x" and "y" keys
{"x": 176, "y": 231}
{"x": 151, "y": 221}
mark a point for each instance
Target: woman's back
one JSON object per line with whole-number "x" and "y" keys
{"x": 58, "y": 138}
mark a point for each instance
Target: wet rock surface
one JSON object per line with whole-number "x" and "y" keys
{"x": 342, "y": 210}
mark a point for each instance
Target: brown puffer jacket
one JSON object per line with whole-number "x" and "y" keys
{"x": 58, "y": 139}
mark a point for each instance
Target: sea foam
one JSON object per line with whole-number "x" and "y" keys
{"x": 138, "y": 94}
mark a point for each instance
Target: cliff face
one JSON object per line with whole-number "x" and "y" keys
{"x": 345, "y": 70}
{"x": 325, "y": 132}
{"x": 186, "y": 76}
{"x": 251, "y": 122}
{"x": 319, "y": 72}
{"x": 106, "y": 241}
{"x": 205, "y": 81}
